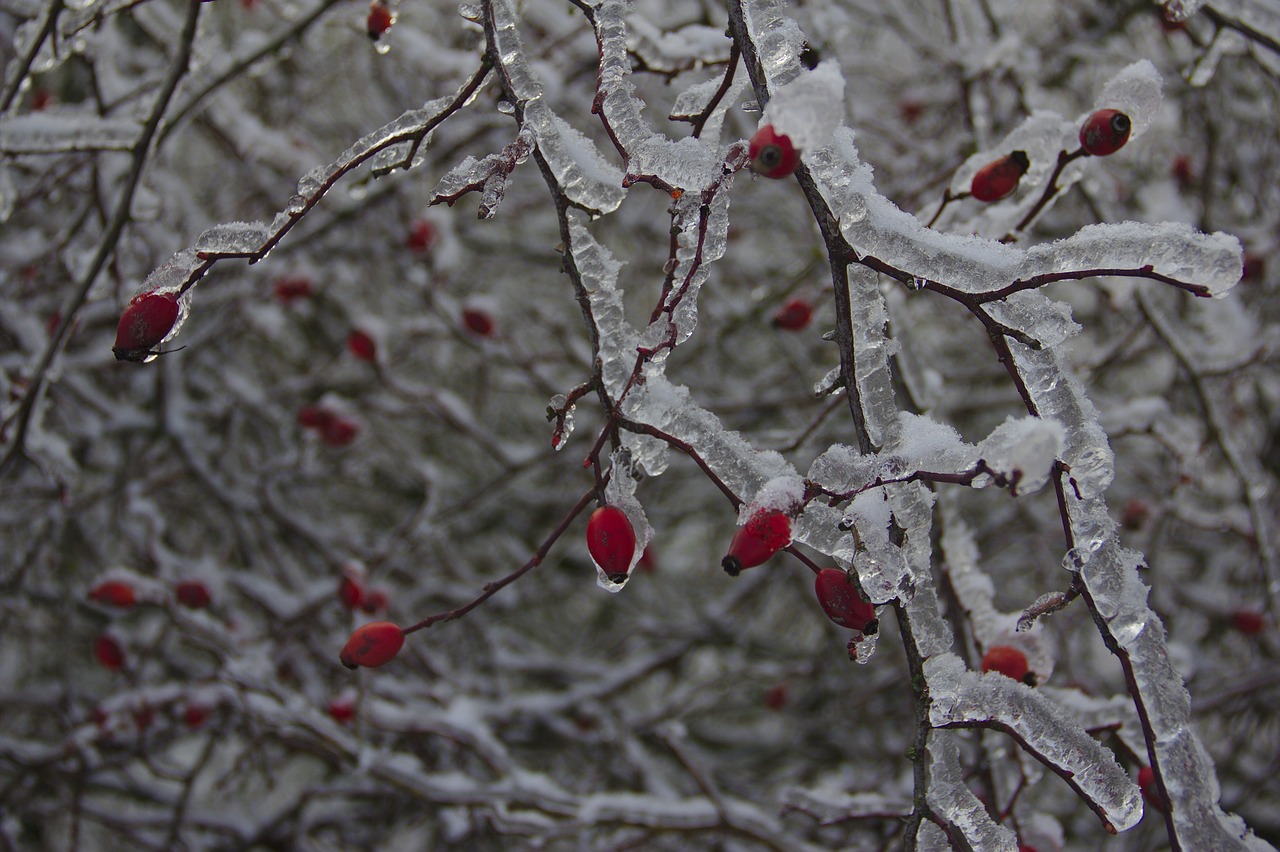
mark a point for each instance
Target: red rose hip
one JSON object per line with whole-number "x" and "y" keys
{"x": 1010, "y": 662}
{"x": 772, "y": 154}
{"x": 611, "y": 541}
{"x": 763, "y": 535}
{"x": 1105, "y": 132}
{"x": 379, "y": 21}
{"x": 375, "y": 644}
{"x": 193, "y": 594}
{"x": 793, "y": 316}
{"x": 1000, "y": 178}
{"x": 840, "y": 601}
{"x": 108, "y": 653}
{"x": 114, "y": 593}
{"x": 144, "y": 324}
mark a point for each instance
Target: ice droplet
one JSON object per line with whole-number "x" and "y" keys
{"x": 1076, "y": 558}
{"x": 470, "y": 12}
{"x": 918, "y": 283}
{"x": 506, "y": 107}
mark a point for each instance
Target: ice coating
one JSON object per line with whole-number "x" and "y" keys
{"x": 809, "y": 108}
{"x": 961, "y": 698}
{"x": 952, "y": 799}
{"x": 56, "y": 132}
{"x": 238, "y": 238}
{"x": 621, "y": 493}
{"x": 1024, "y": 450}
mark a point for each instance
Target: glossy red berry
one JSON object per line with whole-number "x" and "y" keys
{"x": 343, "y": 710}
{"x": 478, "y": 322}
{"x": 194, "y": 715}
{"x": 114, "y": 593}
{"x": 1105, "y": 132}
{"x": 1010, "y": 662}
{"x": 108, "y": 653}
{"x": 793, "y": 316}
{"x": 338, "y": 432}
{"x": 999, "y": 178}
{"x": 193, "y": 594}
{"x": 379, "y": 21}
{"x": 422, "y": 236}
{"x": 611, "y": 541}
{"x": 144, "y": 324}
{"x": 1147, "y": 784}
{"x": 362, "y": 345}
{"x": 373, "y": 645}
{"x": 1249, "y": 622}
{"x": 841, "y": 602}
{"x": 350, "y": 593}
{"x": 763, "y": 535}
{"x": 289, "y": 290}
{"x": 771, "y": 153}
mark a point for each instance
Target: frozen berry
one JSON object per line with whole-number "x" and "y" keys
{"x": 289, "y": 290}
{"x": 841, "y": 602}
{"x": 350, "y": 593}
{"x": 108, "y": 653}
{"x": 193, "y": 594}
{"x": 1105, "y": 132}
{"x": 194, "y": 715}
{"x": 314, "y": 417}
{"x": 114, "y": 593}
{"x": 379, "y": 21}
{"x": 361, "y": 345}
{"x": 373, "y": 601}
{"x": 374, "y": 644}
{"x": 793, "y": 316}
{"x": 763, "y": 535}
{"x": 422, "y": 236}
{"x": 1010, "y": 662}
{"x": 343, "y": 710}
{"x": 144, "y": 324}
{"x": 478, "y": 322}
{"x": 771, "y": 153}
{"x": 338, "y": 432}
{"x": 1248, "y": 621}
{"x": 999, "y": 178}
{"x": 611, "y": 541}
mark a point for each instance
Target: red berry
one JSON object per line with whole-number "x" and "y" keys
{"x": 350, "y": 593}
{"x": 1105, "y": 132}
{"x": 193, "y": 594}
{"x": 108, "y": 653}
{"x": 195, "y": 715}
{"x": 422, "y": 236}
{"x": 373, "y": 645}
{"x": 41, "y": 99}
{"x": 144, "y": 324}
{"x": 338, "y": 432}
{"x": 840, "y": 601}
{"x": 1182, "y": 171}
{"x": 1147, "y": 783}
{"x": 478, "y": 322}
{"x": 1025, "y": 848}
{"x": 373, "y": 601}
{"x": 999, "y": 178}
{"x": 379, "y": 21}
{"x": 1248, "y": 621}
{"x": 1010, "y": 662}
{"x": 772, "y": 154}
{"x": 114, "y": 593}
{"x": 763, "y": 535}
{"x": 291, "y": 289}
{"x": 343, "y": 710}
{"x": 793, "y": 316}
{"x": 776, "y": 698}
{"x": 361, "y": 345}
{"x": 314, "y": 417}
{"x": 612, "y": 541}
{"x": 1255, "y": 266}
